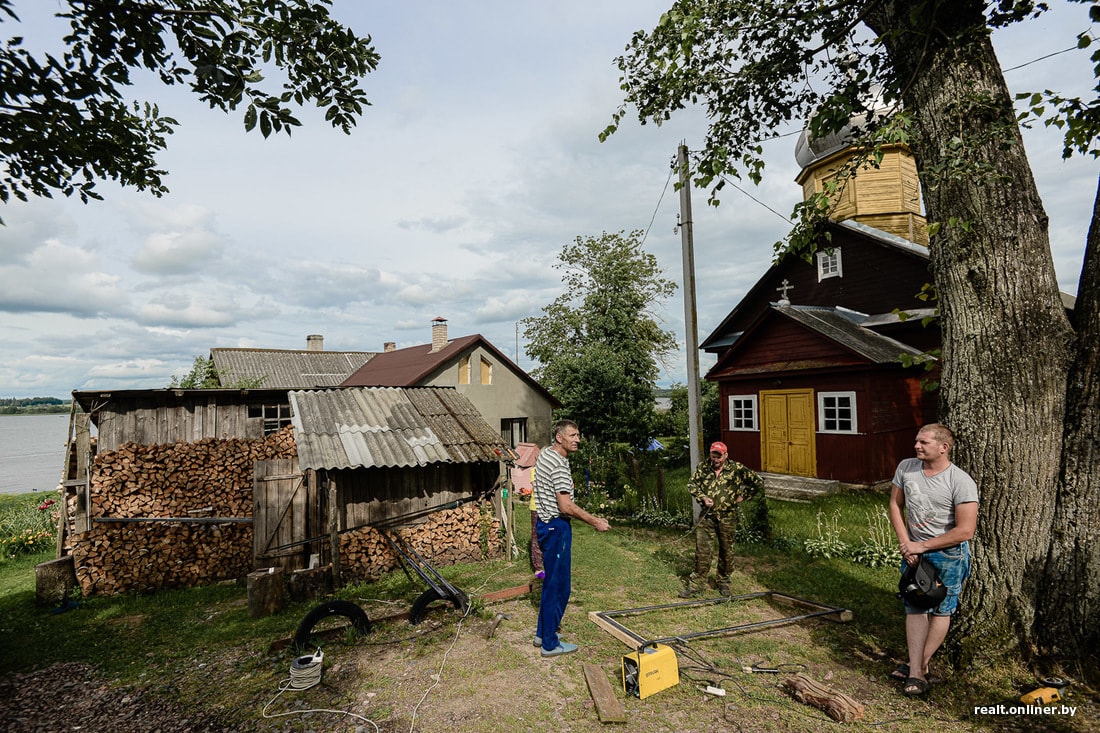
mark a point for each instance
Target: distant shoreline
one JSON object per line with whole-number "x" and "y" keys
{"x": 44, "y": 410}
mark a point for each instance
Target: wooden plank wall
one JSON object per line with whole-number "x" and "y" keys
{"x": 372, "y": 495}
{"x": 171, "y": 423}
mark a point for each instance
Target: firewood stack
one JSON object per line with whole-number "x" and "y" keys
{"x": 467, "y": 534}
{"x": 207, "y": 478}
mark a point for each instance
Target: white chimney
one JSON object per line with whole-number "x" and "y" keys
{"x": 389, "y": 346}
{"x": 439, "y": 334}
{"x": 315, "y": 342}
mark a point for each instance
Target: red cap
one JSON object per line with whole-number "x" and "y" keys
{"x": 719, "y": 447}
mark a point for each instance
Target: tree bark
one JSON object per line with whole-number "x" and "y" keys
{"x": 1069, "y": 607}
{"x": 1005, "y": 332}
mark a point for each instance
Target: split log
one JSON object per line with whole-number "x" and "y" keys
{"x": 837, "y": 705}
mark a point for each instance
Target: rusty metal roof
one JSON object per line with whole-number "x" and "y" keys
{"x": 363, "y": 427}
{"x": 287, "y": 368}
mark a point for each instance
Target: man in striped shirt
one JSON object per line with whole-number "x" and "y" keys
{"x": 555, "y": 506}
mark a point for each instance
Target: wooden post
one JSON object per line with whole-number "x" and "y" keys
{"x": 334, "y": 532}
{"x": 265, "y": 592}
{"x": 83, "y": 441}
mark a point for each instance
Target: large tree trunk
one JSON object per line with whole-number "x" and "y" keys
{"x": 1005, "y": 333}
{"x": 1069, "y": 607}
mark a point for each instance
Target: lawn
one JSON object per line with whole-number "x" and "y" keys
{"x": 480, "y": 672}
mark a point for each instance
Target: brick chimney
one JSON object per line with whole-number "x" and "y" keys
{"x": 315, "y": 342}
{"x": 389, "y": 346}
{"x": 439, "y": 334}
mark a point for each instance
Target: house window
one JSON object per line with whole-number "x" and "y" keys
{"x": 486, "y": 372}
{"x": 274, "y": 416}
{"x": 836, "y": 412}
{"x": 742, "y": 412}
{"x": 513, "y": 430}
{"x": 464, "y": 370}
{"x": 828, "y": 264}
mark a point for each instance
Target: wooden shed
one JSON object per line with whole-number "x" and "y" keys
{"x": 180, "y": 487}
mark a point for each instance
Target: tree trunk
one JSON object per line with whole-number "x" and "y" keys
{"x": 1069, "y": 608}
{"x": 1005, "y": 332}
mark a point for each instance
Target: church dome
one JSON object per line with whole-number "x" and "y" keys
{"x": 808, "y": 151}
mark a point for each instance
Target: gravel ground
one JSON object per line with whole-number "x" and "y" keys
{"x": 66, "y": 697}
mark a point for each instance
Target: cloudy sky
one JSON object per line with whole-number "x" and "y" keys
{"x": 453, "y": 197}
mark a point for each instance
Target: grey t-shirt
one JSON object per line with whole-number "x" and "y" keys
{"x": 930, "y": 500}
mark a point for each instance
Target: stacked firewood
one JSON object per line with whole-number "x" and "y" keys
{"x": 467, "y": 534}
{"x": 208, "y": 478}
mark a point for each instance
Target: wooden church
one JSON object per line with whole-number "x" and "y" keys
{"x": 821, "y": 366}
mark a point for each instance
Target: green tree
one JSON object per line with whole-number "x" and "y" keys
{"x": 1009, "y": 352}
{"x": 66, "y": 123}
{"x": 598, "y": 343}
{"x": 204, "y": 375}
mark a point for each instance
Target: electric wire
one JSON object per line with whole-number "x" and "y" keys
{"x": 658, "y": 206}
{"x": 438, "y": 676}
{"x": 1041, "y": 58}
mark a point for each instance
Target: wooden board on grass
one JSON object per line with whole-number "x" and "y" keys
{"x": 608, "y": 707}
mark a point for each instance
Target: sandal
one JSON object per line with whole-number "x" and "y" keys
{"x": 900, "y": 673}
{"x": 914, "y": 687}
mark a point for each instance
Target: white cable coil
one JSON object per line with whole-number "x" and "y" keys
{"x": 305, "y": 672}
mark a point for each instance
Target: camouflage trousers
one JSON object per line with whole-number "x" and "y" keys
{"x": 712, "y": 529}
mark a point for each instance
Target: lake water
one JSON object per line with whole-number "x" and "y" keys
{"x": 32, "y": 450}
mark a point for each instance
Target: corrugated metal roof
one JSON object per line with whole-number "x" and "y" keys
{"x": 845, "y": 329}
{"x": 363, "y": 427}
{"x": 288, "y": 369}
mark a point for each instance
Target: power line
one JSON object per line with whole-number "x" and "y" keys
{"x": 658, "y": 206}
{"x": 781, "y": 216}
{"x": 1041, "y": 58}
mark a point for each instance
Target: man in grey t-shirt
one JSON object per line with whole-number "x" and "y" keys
{"x": 934, "y": 512}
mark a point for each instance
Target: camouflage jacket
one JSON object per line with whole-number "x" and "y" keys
{"x": 735, "y": 481}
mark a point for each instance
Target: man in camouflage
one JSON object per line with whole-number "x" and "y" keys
{"x": 720, "y": 486}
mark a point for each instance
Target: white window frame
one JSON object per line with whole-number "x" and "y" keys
{"x": 822, "y": 409}
{"x": 829, "y": 265}
{"x": 752, "y": 405}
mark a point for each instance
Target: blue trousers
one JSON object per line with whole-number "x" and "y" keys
{"x": 556, "y": 541}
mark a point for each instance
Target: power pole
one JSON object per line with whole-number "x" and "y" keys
{"x": 691, "y": 327}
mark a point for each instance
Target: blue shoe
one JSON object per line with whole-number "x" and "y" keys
{"x": 564, "y": 647}
{"x": 538, "y": 641}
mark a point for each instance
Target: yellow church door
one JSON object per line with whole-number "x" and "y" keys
{"x": 787, "y": 440}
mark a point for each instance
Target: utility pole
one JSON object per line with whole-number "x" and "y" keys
{"x": 691, "y": 327}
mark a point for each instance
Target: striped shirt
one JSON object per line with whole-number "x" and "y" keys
{"x": 552, "y": 475}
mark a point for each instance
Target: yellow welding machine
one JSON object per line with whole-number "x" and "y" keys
{"x": 650, "y": 670}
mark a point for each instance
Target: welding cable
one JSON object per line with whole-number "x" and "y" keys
{"x": 305, "y": 673}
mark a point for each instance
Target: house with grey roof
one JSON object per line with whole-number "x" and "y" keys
{"x": 310, "y": 368}
{"x": 505, "y": 394}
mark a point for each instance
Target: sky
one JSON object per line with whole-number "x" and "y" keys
{"x": 453, "y": 197}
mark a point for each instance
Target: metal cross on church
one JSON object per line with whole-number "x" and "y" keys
{"x": 784, "y": 300}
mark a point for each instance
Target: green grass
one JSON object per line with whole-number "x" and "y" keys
{"x": 201, "y": 645}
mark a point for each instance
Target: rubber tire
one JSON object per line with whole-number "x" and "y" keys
{"x": 352, "y": 612}
{"x": 428, "y": 597}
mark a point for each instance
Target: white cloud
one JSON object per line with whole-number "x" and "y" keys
{"x": 453, "y": 197}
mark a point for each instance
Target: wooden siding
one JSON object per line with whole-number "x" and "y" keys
{"x": 374, "y": 495}
{"x": 139, "y": 419}
{"x": 780, "y": 344}
{"x": 890, "y": 407}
